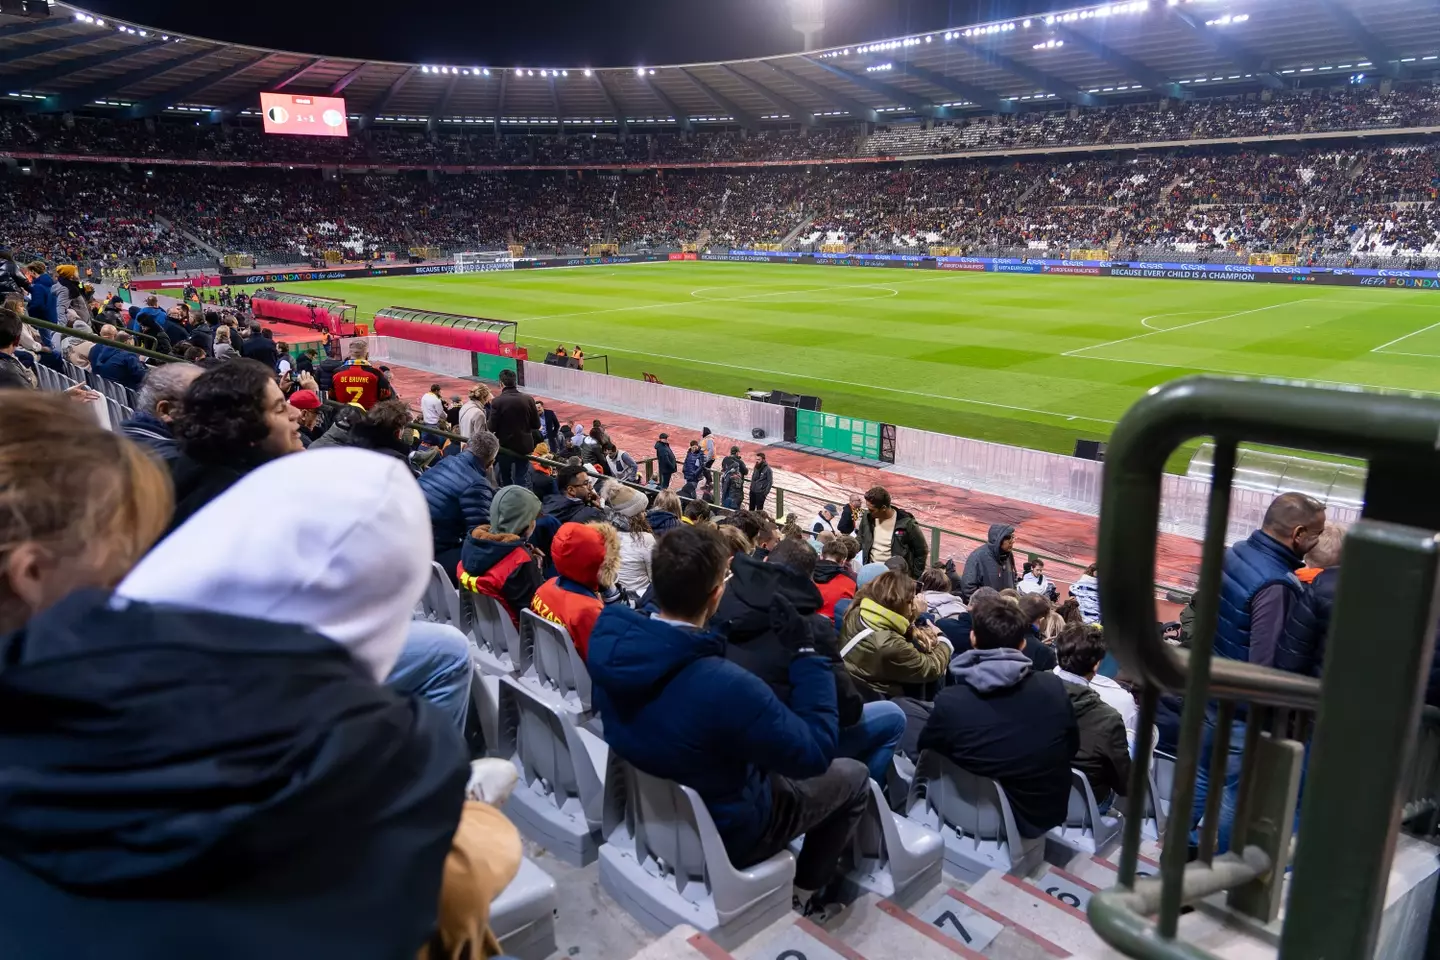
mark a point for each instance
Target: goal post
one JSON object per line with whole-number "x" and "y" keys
{"x": 484, "y": 261}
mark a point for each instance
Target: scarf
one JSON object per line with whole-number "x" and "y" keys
{"x": 879, "y": 617}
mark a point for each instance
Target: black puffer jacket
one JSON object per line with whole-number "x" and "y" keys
{"x": 12, "y": 278}
{"x": 743, "y": 619}
{"x": 1301, "y": 648}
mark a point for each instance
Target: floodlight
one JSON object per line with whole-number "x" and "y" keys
{"x": 587, "y": 71}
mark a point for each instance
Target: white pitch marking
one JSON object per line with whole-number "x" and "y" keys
{"x": 850, "y": 383}
{"x": 1183, "y": 326}
{"x": 1145, "y": 321}
{"x": 1389, "y": 387}
{"x": 1406, "y": 337}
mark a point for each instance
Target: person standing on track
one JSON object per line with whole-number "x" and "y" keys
{"x": 761, "y": 480}
{"x": 515, "y": 420}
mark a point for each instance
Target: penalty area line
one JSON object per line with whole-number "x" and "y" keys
{"x": 851, "y": 383}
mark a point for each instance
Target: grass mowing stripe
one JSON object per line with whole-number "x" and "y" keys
{"x": 994, "y": 356}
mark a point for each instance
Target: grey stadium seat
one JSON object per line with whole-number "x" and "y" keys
{"x": 441, "y": 602}
{"x": 973, "y": 816}
{"x": 664, "y": 862}
{"x": 558, "y": 669}
{"x": 558, "y": 801}
{"x": 1086, "y": 830}
{"x": 523, "y": 916}
{"x": 892, "y": 857}
{"x": 495, "y": 635}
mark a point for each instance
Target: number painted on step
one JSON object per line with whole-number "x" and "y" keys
{"x": 949, "y": 918}
{"x": 790, "y": 955}
{"x": 1064, "y": 896}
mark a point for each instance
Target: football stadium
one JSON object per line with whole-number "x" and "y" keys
{"x": 753, "y": 480}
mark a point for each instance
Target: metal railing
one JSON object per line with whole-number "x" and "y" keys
{"x": 1386, "y": 589}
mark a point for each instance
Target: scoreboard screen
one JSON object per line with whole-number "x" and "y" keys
{"x": 303, "y": 115}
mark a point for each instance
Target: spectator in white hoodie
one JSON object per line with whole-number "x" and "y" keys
{"x": 1035, "y": 580}
{"x": 352, "y": 572}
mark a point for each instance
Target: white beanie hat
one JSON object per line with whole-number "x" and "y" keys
{"x": 351, "y": 565}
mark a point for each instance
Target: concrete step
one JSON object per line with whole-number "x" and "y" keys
{"x": 683, "y": 943}
{"x": 877, "y": 929}
{"x": 1025, "y": 903}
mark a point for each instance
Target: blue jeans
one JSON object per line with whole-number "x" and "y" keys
{"x": 434, "y": 665}
{"x": 873, "y": 739}
{"x": 512, "y": 470}
{"x": 1231, "y": 796}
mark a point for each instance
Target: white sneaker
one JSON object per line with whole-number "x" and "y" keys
{"x": 492, "y": 780}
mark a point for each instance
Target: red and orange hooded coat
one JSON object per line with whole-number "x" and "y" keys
{"x": 572, "y": 598}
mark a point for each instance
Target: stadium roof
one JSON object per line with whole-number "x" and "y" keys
{"x": 1083, "y": 55}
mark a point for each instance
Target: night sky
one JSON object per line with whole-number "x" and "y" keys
{"x": 560, "y": 33}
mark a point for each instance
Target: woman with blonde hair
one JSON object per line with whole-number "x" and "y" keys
{"x": 223, "y": 349}
{"x": 80, "y": 504}
{"x": 197, "y": 768}
{"x": 664, "y": 512}
{"x": 882, "y": 646}
{"x": 472, "y": 411}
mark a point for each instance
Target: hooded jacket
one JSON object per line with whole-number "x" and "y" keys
{"x": 885, "y": 661}
{"x": 1104, "y": 753}
{"x": 836, "y": 582}
{"x": 987, "y": 566}
{"x": 499, "y": 565}
{"x": 572, "y": 597}
{"x": 694, "y": 467}
{"x": 459, "y": 494}
{"x": 906, "y": 542}
{"x": 743, "y": 619}
{"x": 662, "y": 520}
{"x": 673, "y": 706}
{"x": 352, "y": 572}
{"x": 117, "y": 366}
{"x": 666, "y": 458}
{"x": 153, "y": 434}
{"x": 184, "y": 784}
{"x": 1004, "y": 721}
{"x": 42, "y": 305}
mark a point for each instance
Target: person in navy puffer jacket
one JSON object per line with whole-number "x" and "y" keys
{"x": 1258, "y": 589}
{"x": 459, "y": 494}
{"x": 673, "y": 706}
{"x": 117, "y": 365}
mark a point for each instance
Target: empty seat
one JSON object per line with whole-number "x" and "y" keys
{"x": 558, "y": 669}
{"x": 973, "y": 816}
{"x": 892, "y": 857}
{"x": 523, "y": 916}
{"x": 1086, "y": 830}
{"x": 558, "y": 801}
{"x": 441, "y": 601}
{"x": 664, "y": 862}
{"x": 499, "y": 648}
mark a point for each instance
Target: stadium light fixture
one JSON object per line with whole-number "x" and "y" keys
{"x": 519, "y": 72}
{"x": 639, "y": 71}
{"x": 588, "y": 71}
{"x": 564, "y": 73}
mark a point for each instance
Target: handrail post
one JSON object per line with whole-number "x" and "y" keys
{"x": 1364, "y": 738}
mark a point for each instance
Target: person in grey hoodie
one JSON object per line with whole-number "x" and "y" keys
{"x": 1003, "y": 720}
{"x": 992, "y": 564}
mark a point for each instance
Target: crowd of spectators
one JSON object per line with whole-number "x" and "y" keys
{"x": 457, "y": 144}
{"x": 775, "y": 666}
{"x": 1252, "y": 115}
{"x": 1315, "y": 200}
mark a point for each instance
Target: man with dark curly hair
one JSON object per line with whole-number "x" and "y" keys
{"x": 232, "y": 419}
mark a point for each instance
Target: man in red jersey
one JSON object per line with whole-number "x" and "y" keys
{"x": 359, "y": 383}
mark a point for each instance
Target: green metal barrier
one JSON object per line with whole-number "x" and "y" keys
{"x": 1368, "y": 720}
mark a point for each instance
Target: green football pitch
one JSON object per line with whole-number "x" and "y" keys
{"x": 1035, "y": 361}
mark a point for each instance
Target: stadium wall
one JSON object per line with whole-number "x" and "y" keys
{"x": 1137, "y": 270}
{"x": 1016, "y": 473}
